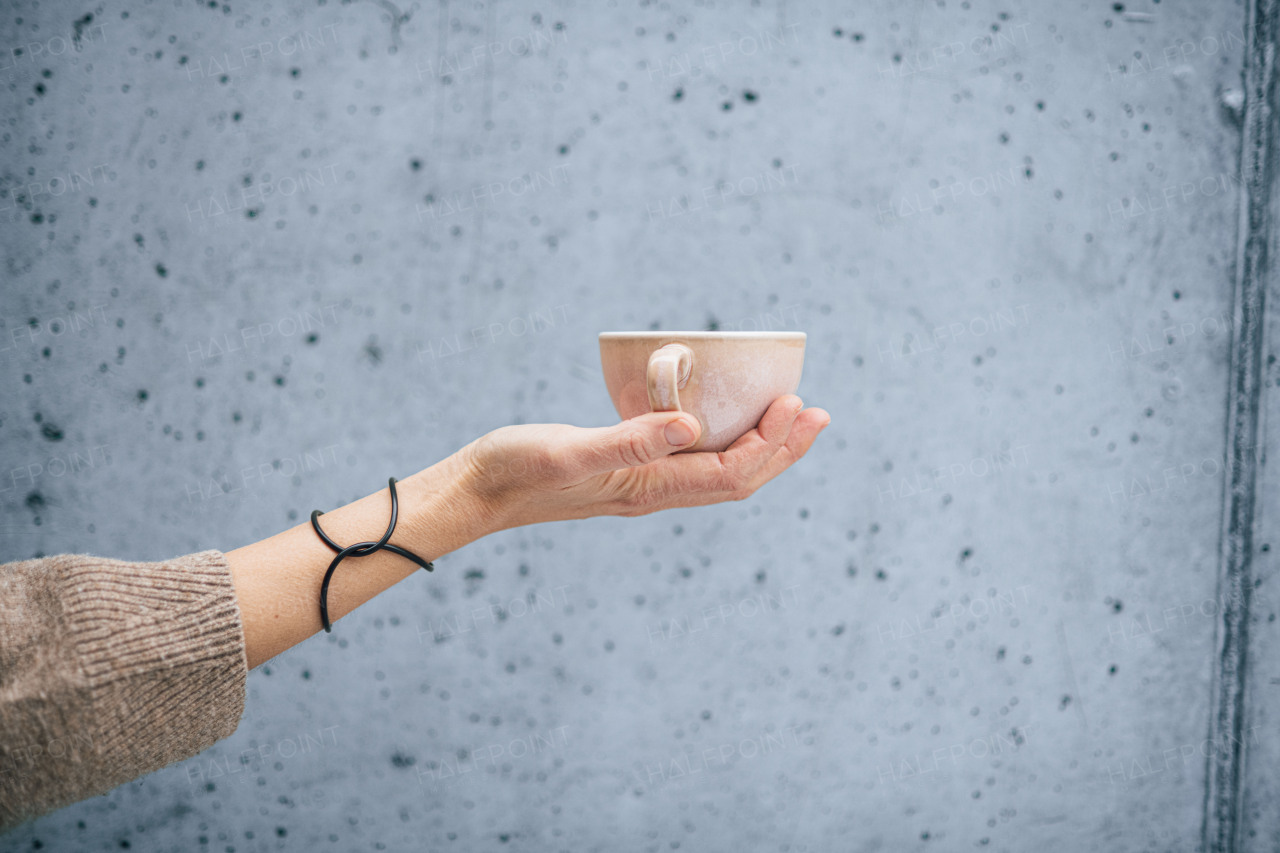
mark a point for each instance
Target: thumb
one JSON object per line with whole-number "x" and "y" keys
{"x": 638, "y": 441}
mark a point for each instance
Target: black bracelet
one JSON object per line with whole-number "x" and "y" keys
{"x": 360, "y": 549}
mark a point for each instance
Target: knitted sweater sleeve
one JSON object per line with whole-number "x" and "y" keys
{"x": 110, "y": 670}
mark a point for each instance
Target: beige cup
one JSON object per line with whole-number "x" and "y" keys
{"x": 725, "y": 379}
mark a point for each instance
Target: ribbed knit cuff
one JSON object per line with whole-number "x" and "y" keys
{"x": 162, "y": 648}
{"x": 110, "y": 670}
{"x": 128, "y": 618}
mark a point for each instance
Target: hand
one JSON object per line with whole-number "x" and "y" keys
{"x": 532, "y": 473}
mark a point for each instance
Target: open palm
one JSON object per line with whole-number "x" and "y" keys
{"x": 531, "y": 473}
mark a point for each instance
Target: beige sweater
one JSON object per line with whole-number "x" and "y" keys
{"x": 109, "y": 670}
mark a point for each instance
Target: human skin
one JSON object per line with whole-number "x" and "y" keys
{"x": 510, "y": 477}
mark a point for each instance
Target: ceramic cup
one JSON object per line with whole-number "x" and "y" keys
{"x": 725, "y": 379}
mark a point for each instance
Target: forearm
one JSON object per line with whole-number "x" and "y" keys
{"x": 277, "y": 580}
{"x": 512, "y": 476}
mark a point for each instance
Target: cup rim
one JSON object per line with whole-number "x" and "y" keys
{"x": 705, "y": 334}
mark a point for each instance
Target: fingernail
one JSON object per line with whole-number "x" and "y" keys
{"x": 678, "y": 433}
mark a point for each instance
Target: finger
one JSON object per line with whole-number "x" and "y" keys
{"x": 726, "y": 470}
{"x": 804, "y": 432}
{"x": 801, "y": 438}
{"x": 752, "y": 449}
{"x": 632, "y": 443}
{"x": 750, "y": 452}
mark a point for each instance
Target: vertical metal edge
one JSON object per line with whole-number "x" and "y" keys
{"x": 1223, "y": 803}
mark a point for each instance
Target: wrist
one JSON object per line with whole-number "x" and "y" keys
{"x": 441, "y": 512}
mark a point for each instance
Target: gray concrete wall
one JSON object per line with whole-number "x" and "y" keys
{"x": 259, "y": 258}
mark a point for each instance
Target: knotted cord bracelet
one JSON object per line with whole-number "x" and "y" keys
{"x": 360, "y": 549}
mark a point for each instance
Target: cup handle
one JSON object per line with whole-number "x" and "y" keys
{"x": 669, "y": 371}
